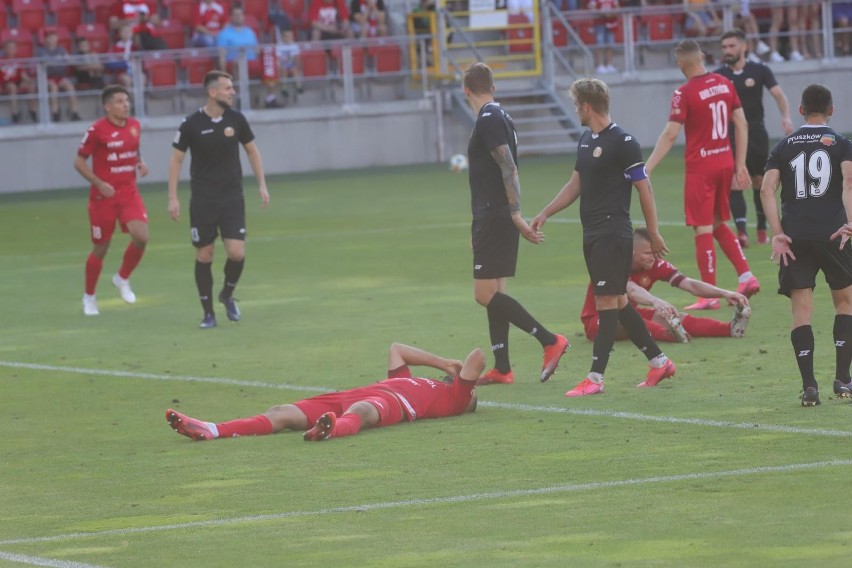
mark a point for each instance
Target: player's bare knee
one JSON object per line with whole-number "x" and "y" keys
{"x": 286, "y": 417}
{"x": 366, "y": 411}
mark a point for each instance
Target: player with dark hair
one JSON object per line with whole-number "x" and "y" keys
{"x": 495, "y": 191}
{"x": 750, "y": 78}
{"x": 399, "y": 398}
{"x": 213, "y": 134}
{"x": 704, "y": 106}
{"x": 113, "y": 144}
{"x": 609, "y": 164}
{"x": 813, "y": 166}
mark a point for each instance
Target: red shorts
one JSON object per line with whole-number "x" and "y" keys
{"x": 390, "y": 410}
{"x": 706, "y": 195}
{"x": 125, "y": 206}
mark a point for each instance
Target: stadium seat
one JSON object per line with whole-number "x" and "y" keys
{"x": 314, "y": 61}
{"x": 259, "y": 9}
{"x": 660, "y": 27}
{"x": 96, "y": 34}
{"x": 515, "y": 36}
{"x": 387, "y": 58}
{"x": 183, "y": 11}
{"x": 22, "y": 38}
{"x": 32, "y": 14}
{"x": 619, "y": 30}
{"x": 585, "y": 28}
{"x": 559, "y": 33}
{"x": 63, "y": 35}
{"x": 161, "y": 71}
{"x": 172, "y": 33}
{"x": 298, "y": 13}
{"x": 255, "y": 24}
{"x": 4, "y": 18}
{"x": 195, "y": 66}
{"x": 101, "y": 10}
{"x": 67, "y": 14}
{"x": 153, "y": 6}
{"x": 357, "y": 59}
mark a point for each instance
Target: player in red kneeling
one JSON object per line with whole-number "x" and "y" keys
{"x": 113, "y": 144}
{"x": 663, "y": 320}
{"x": 398, "y": 398}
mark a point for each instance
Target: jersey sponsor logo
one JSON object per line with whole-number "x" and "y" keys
{"x": 828, "y": 140}
{"x": 713, "y": 91}
{"x": 229, "y": 132}
{"x": 114, "y": 134}
{"x": 713, "y": 151}
{"x": 597, "y": 152}
{"x": 208, "y": 131}
{"x": 115, "y": 143}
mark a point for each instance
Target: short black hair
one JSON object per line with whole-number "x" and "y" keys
{"x": 111, "y": 90}
{"x": 816, "y": 99}
{"x": 736, "y": 32}
{"x": 213, "y": 76}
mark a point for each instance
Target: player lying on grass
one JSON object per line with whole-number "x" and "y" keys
{"x": 398, "y": 398}
{"x": 662, "y": 319}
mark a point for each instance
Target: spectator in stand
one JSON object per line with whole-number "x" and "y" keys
{"x": 744, "y": 19}
{"x": 289, "y": 65}
{"x": 841, "y": 14}
{"x": 811, "y": 15}
{"x": 701, "y": 19}
{"x": 606, "y": 22}
{"x": 120, "y": 65}
{"x": 368, "y": 18}
{"x": 329, "y": 20}
{"x": 57, "y": 75}
{"x": 15, "y": 80}
{"x": 234, "y": 37}
{"x": 794, "y": 27}
{"x": 209, "y": 20}
{"x": 147, "y": 36}
{"x": 130, "y": 12}
{"x": 89, "y": 72}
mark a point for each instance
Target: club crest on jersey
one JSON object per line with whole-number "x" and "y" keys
{"x": 229, "y": 131}
{"x": 134, "y": 132}
{"x": 597, "y": 152}
{"x": 749, "y": 82}
{"x": 828, "y": 140}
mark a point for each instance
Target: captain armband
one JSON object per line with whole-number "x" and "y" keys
{"x": 677, "y": 279}
{"x": 636, "y": 173}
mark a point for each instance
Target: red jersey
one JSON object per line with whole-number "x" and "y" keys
{"x": 11, "y": 72}
{"x": 427, "y": 398}
{"x": 115, "y": 153}
{"x": 608, "y": 20}
{"x": 704, "y": 105}
{"x": 130, "y": 9}
{"x": 212, "y": 16}
{"x": 661, "y": 270}
{"x": 329, "y": 14}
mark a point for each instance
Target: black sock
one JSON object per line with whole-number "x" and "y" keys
{"x": 802, "y": 339}
{"x": 512, "y": 311}
{"x": 607, "y": 326}
{"x": 498, "y": 328}
{"x": 738, "y": 210}
{"x": 843, "y": 346}
{"x": 233, "y": 269}
{"x": 758, "y": 209}
{"x": 204, "y": 283}
{"x": 638, "y": 332}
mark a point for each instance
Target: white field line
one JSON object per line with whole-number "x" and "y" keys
{"x": 501, "y": 405}
{"x": 38, "y": 561}
{"x": 490, "y": 496}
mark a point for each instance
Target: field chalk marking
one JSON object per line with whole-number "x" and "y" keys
{"x": 38, "y": 561}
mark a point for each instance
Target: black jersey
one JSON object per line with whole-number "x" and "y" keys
{"x": 750, "y": 82}
{"x": 811, "y": 181}
{"x": 605, "y": 162}
{"x": 494, "y": 127}
{"x": 214, "y": 143}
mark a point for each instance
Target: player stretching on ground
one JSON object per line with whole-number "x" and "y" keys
{"x": 113, "y": 144}
{"x": 704, "y": 106}
{"x": 609, "y": 164}
{"x": 495, "y": 192}
{"x": 213, "y": 135}
{"x": 814, "y": 167}
{"x": 662, "y": 319}
{"x": 750, "y": 78}
{"x": 398, "y": 398}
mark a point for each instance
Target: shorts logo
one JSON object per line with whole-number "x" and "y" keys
{"x": 839, "y": 343}
{"x": 96, "y": 232}
{"x": 497, "y": 346}
{"x": 804, "y": 353}
{"x": 477, "y": 266}
{"x": 242, "y": 231}
{"x": 229, "y": 132}
{"x": 601, "y": 283}
{"x": 597, "y": 152}
{"x": 194, "y": 234}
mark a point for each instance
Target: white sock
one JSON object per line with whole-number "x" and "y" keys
{"x": 659, "y": 361}
{"x": 744, "y": 277}
{"x": 596, "y": 378}
{"x": 213, "y": 429}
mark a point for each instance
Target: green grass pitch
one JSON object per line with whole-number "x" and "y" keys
{"x": 716, "y": 467}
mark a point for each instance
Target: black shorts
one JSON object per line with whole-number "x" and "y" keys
{"x": 495, "y": 247}
{"x": 811, "y": 257}
{"x": 608, "y": 260}
{"x": 758, "y": 151}
{"x": 208, "y": 219}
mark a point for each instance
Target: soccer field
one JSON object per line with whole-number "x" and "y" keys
{"x": 719, "y": 466}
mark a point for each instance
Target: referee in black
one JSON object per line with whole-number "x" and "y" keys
{"x": 750, "y": 79}
{"x": 495, "y": 195}
{"x": 213, "y": 135}
{"x": 814, "y": 168}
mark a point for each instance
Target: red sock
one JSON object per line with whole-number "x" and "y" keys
{"x": 255, "y": 426}
{"x": 731, "y": 247}
{"x": 658, "y": 331}
{"x": 132, "y": 256}
{"x": 706, "y": 327}
{"x": 93, "y": 272}
{"x": 346, "y": 425}
{"x": 705, "y": 256}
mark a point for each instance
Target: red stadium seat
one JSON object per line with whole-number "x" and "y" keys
{"x": 102, "y": 10}
{"x": 357, "y": 59}
{"x": 4, "y": 18}
{"x": 619, "y": 30}
{"x": 255, "y": 24}
{"x": 387, "y": 58}
{"x": 62, "y": 35}
{"x": 314, "y": 62}
{"x": 96, "y": 34}
{"x": 516, "y": 35}
{"x": 22, "y": 38}
{"x": 183, "y": 11}
{"x": 257, "y": 8}
{"x": 298, "y": 13}
{"x": 32, "y": 14}
{"x": 585, "y": 28}
{"x": 195, "y": 66}
{"x": 67, "y": 14}
{"x": 559, "y": 33}
{"x": 172, "y": 33}
{"x": 660, "y": 27}
{"x": 161, "y": 71}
